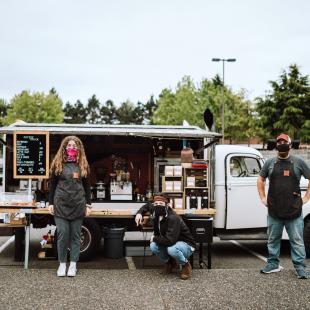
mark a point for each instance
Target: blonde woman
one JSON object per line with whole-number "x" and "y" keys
{"x": 69, "y": 200}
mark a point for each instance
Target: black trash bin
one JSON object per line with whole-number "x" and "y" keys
{"x": 201, "y": 227}
{"x": 113, "y": 246}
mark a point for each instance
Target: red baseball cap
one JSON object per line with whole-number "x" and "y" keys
{"x": 285, "y": 137}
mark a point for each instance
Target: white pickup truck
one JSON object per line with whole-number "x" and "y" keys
{"x": 232, "y": 174}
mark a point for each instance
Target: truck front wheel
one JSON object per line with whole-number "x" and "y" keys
{"x": 307, "y": 236}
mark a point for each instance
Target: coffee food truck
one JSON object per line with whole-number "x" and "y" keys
{"x": 128, "y": 164}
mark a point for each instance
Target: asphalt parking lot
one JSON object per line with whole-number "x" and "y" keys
{"x": 234, "y": 282}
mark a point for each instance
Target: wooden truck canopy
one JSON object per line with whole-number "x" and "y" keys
{"x": 140, "y": 145}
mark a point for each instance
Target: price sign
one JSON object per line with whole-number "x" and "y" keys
{"x": 31, "y": 155}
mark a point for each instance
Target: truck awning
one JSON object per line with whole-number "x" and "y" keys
{"x": 148, "y": 131}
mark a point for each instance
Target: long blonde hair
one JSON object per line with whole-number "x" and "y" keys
{"x": 61, "y": 157}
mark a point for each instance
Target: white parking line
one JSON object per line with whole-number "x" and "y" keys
{"x": 130, "y": 263}
{"x": 248, "y": 250}
{"x": 6, "y": 244}
{"x": 263, "y": 258}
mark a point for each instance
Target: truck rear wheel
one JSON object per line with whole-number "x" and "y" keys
{"x": 307, "y": 236}
{"x": 90, "y": 239}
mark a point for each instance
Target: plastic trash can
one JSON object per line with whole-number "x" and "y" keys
{"x": 113, "y": 246}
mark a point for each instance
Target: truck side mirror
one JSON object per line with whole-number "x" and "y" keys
{"x": 271, "y": 144}
{"x": 295, "y": 144}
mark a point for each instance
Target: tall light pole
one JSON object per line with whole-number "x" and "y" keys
{"x": 223, "y": 86}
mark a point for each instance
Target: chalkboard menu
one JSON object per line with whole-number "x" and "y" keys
{"x": 31, "y": 155}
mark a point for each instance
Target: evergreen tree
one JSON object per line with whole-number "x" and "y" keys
{"x": 138, "y": 114}
{"x": 93, "y": 111}
{"x": 75, "y": 114}
{"x": 128, "y": 113}
{"x": 148, "y": 110}
{"x": 3, "y": 111}
{"x": 287, "y": 107}
{"x": 108, "y": 113}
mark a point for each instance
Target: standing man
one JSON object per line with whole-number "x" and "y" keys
{"x": 172, "y": 240}
{"x": 284, "y": 203}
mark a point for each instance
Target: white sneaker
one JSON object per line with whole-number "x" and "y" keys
{"x": 61, "y": 272}
{"x": 72, "y": 270}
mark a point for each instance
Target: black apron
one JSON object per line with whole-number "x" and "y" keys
{"x": 69, "y": 199}
{"x": 284, "y": 196}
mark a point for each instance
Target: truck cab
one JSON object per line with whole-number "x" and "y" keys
{"x": 239, "y": 211}
{"x": 236, "y": 198}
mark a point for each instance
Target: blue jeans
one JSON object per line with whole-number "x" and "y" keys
{"x": 180, "y": 251}
{"x": 295, "y": 230}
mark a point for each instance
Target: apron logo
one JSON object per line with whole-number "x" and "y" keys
{"x": 75, "y": 175}
{"x": 286, "y": 173}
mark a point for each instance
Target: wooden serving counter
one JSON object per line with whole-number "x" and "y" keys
{"x": 103, "y": 213}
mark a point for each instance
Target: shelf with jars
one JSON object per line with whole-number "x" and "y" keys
{"x": 196, "y": 190}
{"x": 187, "y": 187}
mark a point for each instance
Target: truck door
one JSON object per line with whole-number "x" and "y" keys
{"x": 243, "y": 208}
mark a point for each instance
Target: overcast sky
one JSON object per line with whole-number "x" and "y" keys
{"x": 131, "y": 49}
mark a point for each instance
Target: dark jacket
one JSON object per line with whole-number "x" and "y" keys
{"x": 170, "y": 229}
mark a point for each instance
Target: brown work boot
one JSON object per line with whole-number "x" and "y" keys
{"x": 169, "y": 266}
{"x": 186, "y": 271}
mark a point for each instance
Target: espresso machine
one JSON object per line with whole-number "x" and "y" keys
{"x": 120, "y": 190}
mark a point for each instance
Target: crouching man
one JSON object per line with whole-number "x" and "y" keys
{"x": 172, "y": 240}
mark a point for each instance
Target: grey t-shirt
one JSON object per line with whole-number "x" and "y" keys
{"x": 300, "y": 167}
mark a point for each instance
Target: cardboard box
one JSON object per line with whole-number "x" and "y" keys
{"x": 169, "y": 186}
{"x": 169, "y": 171}
{"x": 178, "y": 203}
{"x": 177, "y": 186}
{"x": 177, "y": 171}
{"x": 190, "y": 182}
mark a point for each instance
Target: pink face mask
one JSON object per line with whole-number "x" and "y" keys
{"x": 72, "y": 153}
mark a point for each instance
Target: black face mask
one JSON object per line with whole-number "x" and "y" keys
{"x": 283, "y": 148}
{"x": 160, "y": 210}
